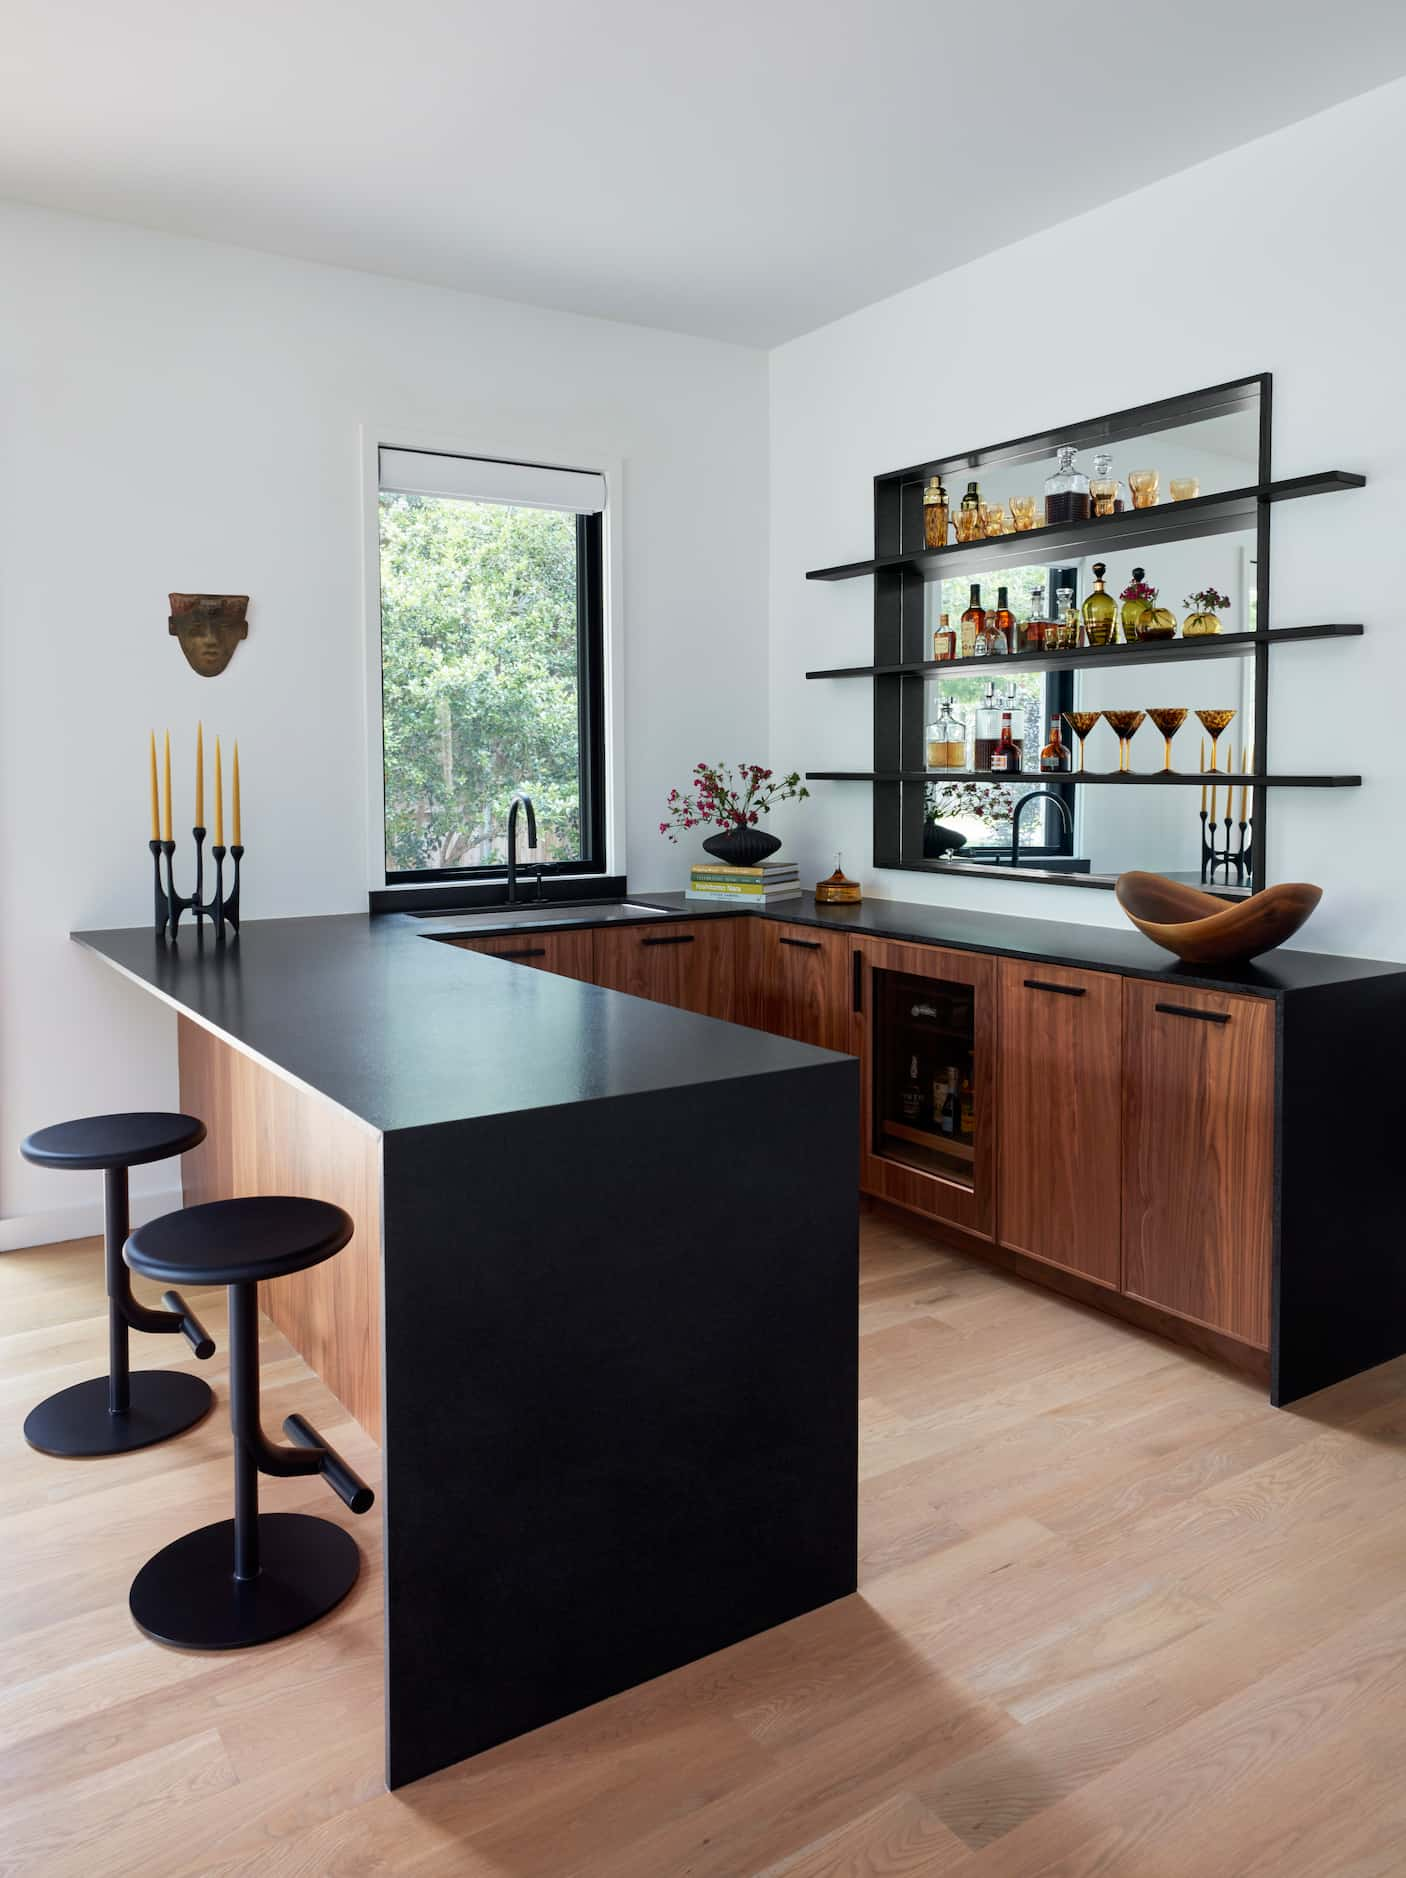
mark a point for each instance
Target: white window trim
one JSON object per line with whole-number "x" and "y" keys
{"x": 409, "y": 434}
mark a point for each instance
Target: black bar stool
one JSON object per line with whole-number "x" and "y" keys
{"x": 259, "y": 1575}
{"x": 116, "y": 1413}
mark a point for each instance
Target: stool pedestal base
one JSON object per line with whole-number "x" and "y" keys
{"x": 189, "y": 1597}
{"x": 78, "y": 1422}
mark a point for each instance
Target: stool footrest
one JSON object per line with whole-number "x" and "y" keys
{"x": 342, "y": 1478}
{"x": 189, "y": 1325}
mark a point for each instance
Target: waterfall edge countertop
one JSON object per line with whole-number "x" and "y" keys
{"x": 368, "y": 1011}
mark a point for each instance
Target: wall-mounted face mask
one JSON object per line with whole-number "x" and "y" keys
{"x": 209, "y": 627}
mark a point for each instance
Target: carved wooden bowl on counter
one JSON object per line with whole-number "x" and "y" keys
{"x": 1202, "y": 930}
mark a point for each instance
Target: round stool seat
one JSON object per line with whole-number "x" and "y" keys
{"x": 113, "y": 1140}
{"x": 237, "y": 1242}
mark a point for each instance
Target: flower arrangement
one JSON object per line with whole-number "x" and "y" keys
{"x": 1139, "y": 590}
{"x": 1207, "y": 601}
{"x": 987, "y": 803}
{"x": 726, "y": 798}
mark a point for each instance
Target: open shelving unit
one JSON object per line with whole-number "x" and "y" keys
{"x": 902, "y": 567}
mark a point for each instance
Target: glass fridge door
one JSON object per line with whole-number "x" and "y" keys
{"x": 924, "y": 1064}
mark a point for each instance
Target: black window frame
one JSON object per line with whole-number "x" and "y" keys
{"x": 590, "y": 696}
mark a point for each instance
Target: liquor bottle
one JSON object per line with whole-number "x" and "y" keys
{"x": 944, "y": 641}
{"x": 966, "y": 1125}
{"x": 1067, "y": 630}
{"x": 1000, "y": 625}
{"x": 946, "y": 1111}
{"x": 1015, "y": 704}
{"x": 1032, "y": 632}
{"x": 987, "y": 730}
{"x": 969, "y": 515}
{"x": 947, "y": 740}
{"x": 936, "y": 514}
{"x": 1100, "y": 611}
{"x": 912, "y": 1096}
{"x": 1067, "y": 490}
{"x": 973, "y": 620}
{"x": 1006, "y": 756}
{"x": 1055, "y": 755}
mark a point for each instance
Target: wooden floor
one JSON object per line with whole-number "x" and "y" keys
{"x": 1117, "y": 1616}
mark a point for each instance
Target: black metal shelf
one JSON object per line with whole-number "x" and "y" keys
{"x": 1140, "y": 652}
{"x": 1111, "y": 534}
{"x": 1115, "y": 778}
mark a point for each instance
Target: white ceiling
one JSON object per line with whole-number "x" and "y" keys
{"x": 747, "y": 171}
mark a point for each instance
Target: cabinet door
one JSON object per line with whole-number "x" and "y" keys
{"x": 803, "y": 983}
{"x": 688, "y": 964}
{"x": 1198, "y": 1155}
{"x": 925, "y": 1015}
{"x": 1060, "y": 1103}
{"x": 568, "y": 953}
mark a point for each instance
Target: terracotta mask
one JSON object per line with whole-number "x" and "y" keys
{"x": 209, "y": 627}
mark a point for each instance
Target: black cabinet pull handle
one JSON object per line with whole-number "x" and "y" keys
{"x": 527, "y": 952}
{"x": 1185, "y": 1010}
{"x": 669, "y": 939}
{"x": 1065, "y": 991}
{"x": 806, "y": 945}
{"x": 857, "y": 999}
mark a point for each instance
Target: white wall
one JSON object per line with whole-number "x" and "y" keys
{"x": 178, "y": 415}
{"x": 1275, "y": 257}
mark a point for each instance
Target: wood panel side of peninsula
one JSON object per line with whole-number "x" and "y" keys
{"x": 267, "y": 1135}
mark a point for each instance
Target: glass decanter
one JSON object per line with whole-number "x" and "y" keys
{"x": 1103, "y": 485}
{"x": 1067, "y": 490}
{"x": 1100, "y": 611}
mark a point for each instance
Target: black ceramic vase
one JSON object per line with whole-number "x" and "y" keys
{"x": 742, "y": 847}
{"x": 939, "y": 840}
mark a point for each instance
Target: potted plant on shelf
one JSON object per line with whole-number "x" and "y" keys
{"x": 732, "y": 801}
{"x": 1203, "y": 621}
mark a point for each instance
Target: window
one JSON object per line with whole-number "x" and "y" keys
{"x": 491, "y": 663}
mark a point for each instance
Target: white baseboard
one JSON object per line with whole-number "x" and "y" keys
{"x": 79, "y": 1222}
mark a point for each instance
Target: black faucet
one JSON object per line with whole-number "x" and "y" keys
{"x": 520, "y": 802}
{"x": 1035, "y": 795}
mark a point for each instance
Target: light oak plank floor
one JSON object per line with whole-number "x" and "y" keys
{"x": 1116, "y": 1616}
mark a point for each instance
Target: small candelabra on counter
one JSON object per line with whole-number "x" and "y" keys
{"x": 222, "y": 906}
{"x": 1225, "y": 857}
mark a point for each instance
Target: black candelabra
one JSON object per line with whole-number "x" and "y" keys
{"x": 222, "y": 908}
{"x": 1222, "y": 856}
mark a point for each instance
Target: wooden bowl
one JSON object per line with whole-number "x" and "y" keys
{"x": 1203, "y": 930}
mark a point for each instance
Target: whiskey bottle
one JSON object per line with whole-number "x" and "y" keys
{"x": 966, "y": 1126}
{"x": 911, "y": 1098}
{"x": 1000, "y": 625}
{"x": 1067, "y": 629}
{"x": 1006, "y": 756}
{"x": 1067, "y": 490}
{"x": 944, "y": 641}
{"x": 987, "y": 730}
{"x": 947, "y": 1112}
{"x": 1032, "y": 633}
{"x": 973, "y": 620}
{"x": 947, "y": 740}
{"x": 1055, "y": 755}
{"x": 1100, "y": 611}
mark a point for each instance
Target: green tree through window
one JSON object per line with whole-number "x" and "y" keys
{"x": 480, "y": 679}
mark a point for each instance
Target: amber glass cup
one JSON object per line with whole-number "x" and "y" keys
{"x": 1169, "y": 719}
{"x": 1023, "y": 513}
{"x": 1214, "y": 722}
{"x": 1184, "y": 488}
{"x": 1125, "y": 725}
{"x": 1081, "y": 723}
{"x": 993, "y": 519}
{"x": 1143, "y": 486}
{"x": 969, "y": 524}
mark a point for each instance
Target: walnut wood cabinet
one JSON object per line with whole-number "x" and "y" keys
{"x": 571, "y": 954}
{"x": 1059, "y": 1100}
{"x": 800, "y": 983}
{"x": 687, "y": 963}
{"x": 1198, "y": 1155}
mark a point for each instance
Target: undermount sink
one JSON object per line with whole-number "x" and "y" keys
{"x": 548, "y": 913}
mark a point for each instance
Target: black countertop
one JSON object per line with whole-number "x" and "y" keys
{"x": 405, "y": 1033}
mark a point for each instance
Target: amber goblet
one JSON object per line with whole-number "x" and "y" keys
{"x": 1185, "y": 488}
{"x": 1081, "y": 723}
{"x": 1214, "y": 722}
{"x": 1169, "y": 719}
{"x": 993, "y": 519}
{"x": 1125, "y": 725}
{"x": 969, "y": 524}
{"x": 1142, "y": 485}
{"x": 1023, "y": 513}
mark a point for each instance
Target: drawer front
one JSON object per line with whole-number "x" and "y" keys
{"x": 1060, "y": 1104}
{"x": 569, "y": 953}
{"x": 688, "y": 963}
{"x": 803, "y": 984}
{"x": 1198, "y": 1155}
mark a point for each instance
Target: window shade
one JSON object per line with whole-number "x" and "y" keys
{"x": 487, "y": 479}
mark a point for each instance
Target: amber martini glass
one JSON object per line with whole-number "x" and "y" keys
{"x": 1081, "y": 723}
{"x": 1214, "y": 722}
{"x": 1169, "y": 719}
{"x": 1125, "y": 725}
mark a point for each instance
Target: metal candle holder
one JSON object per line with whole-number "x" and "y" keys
{"x": 1242, "y": 859}
{"x": 222, "y": 908}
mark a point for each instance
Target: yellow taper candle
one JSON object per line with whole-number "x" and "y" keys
{"x": 219, "y": 800}
{"x": 200, "y": 775}
{"x": 155, "y": 808}
{"x": 1244, "y": 787}
{"x": 1213, "y": 810}
{"x": 237, "y": 836}
{"x": 1203, "y": 771}
{"x": 166, "y": 794}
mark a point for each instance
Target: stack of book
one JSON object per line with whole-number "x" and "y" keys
{"x": 753, "y": 886}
